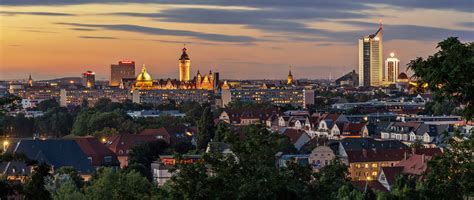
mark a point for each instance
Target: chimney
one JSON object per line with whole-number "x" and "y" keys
{"x": 413, "y": 150}
{"x": 364, "y": 152}
{"x": 405, "y": 157}
{"x": 423, "y": 158}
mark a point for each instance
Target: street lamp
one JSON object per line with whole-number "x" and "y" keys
{"x": 5, "y": 146}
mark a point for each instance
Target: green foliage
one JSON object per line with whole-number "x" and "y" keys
{"x": 449, "y": 73}
{"x": 205, "y": 129}
{"x": 56, "y": 122}
{"x": 18, "y": 126}
{"x": 68, "y": 191}
{"x": 250, "y": 173}
{"x": 89, "y": 121}
{"x": 47, "y": 105}
{"x": 34, "y": 187}
{"x": 141, "y": 156}
{"x": 109, "y": 184}
{"x": 221, "y": 131}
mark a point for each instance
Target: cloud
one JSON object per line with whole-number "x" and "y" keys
{"x": 11, "y": 13}
{"x": 98, "y": 37}
{"x": 171, "y": 32}
{"x": 460, "y": 5}
{"x": 467, "y": 24}
{"x": 83, "y": 29}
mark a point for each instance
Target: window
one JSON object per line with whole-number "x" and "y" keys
{"x": 374, "y": 173}
{"x": 374, "y": 165}
{"x": 357, "y": 165}
{"x": 366, "y": 166}
{"x": 107, "y": 159}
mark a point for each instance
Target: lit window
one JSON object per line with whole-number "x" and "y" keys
{"x": 374, "y": 173}
{"x": 374, "y": 165}
{"x": 366, "y": 166}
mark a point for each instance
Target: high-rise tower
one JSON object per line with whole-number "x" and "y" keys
{"x": 392, "y": 68}
{"x": 184, "y": 66}
{"x": 370, "y": 59}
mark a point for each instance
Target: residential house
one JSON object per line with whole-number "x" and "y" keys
{"x": 356, "y": 144}
{"x": 246, "y": 116}
{"x": 160, "y": 168}
{"x": 414, "y": 165}
{"x": 297, "y": 137}
{"x": 366, "y": 164}
{"x": 97, "y": 153}
{"x": 122, "y": 144}
{"x": 55, "y": 152}
{"x": 320, "y": 157}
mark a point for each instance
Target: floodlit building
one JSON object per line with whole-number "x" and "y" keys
{"x": 392, "y": 68}
{"x": 370, "y": 59}
{"x": 124, "y": 69}
{"x": 184, "y": 66}
{"x": 88, "y": 79}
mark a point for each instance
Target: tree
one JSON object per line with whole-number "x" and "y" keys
{"x": 56, "y": 122}
{"x": 221, "y": 131}
{"x": 205, "y": 129}
{"x": 448, "y": 73}
{"x": 34, "y": 187}
{"x": 250, "y": 173}
{"x": 144, "y": 154}
{"x": 47, "y": 105}
{"x": 69, "y": 191}
{"x": 110, "y": 184}
{"x": 450, "y": 175}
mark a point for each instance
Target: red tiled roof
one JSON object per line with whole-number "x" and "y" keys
{"x": 122, "y": 143}
{"x": 293, "y": 134}
{"x": 375, "y": 185}
{"x": 332, "y": 117}
{"x": 96, "y": 150}
{"x": 353, "y": 128}
{"x": 374, "y": 155}
{"x": 391, "y": 173}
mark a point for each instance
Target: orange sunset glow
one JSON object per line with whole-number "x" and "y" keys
{"x": 249, "y": 40}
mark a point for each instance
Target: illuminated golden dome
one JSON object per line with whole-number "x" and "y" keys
{"x": 144, "y": 75}
{"x": 144, "y": 79}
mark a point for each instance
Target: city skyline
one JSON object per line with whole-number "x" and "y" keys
{"x": 244, "y": 40}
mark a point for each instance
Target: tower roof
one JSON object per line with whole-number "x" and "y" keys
{"x": 184, "y": 55}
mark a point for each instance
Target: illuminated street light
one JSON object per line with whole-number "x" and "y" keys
{"x": 5, "y": 145}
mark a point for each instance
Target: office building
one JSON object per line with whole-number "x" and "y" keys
{"x": 370, "y": 59}
{"x": 124, "y": 69}
{"x": 278, "y": 97}
{"x": 88, "y": 79}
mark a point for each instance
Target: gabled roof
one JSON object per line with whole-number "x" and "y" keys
{"x": 293, "y": 134}
{"x": 391, "y": 173}
{"x": 97, "y": 151}
{"x": 375, "y": 155}
{"x": 375, "y": 185}
{"x": 330, "y": 116}
{"x": 120, "y": 144}
{"x": 353, "y": 128}
{"x": 55, "y": 152}
{"x": 369, "y": 143}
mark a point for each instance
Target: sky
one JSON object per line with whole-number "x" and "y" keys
{"x": 246, "y": 39}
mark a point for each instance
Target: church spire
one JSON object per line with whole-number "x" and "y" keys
{"x": 290, "y": 78}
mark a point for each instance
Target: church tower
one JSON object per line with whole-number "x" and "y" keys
{"x": 184, "y": 66}
{"x": 30, "y": 81}
{"x": 290, "y": 78}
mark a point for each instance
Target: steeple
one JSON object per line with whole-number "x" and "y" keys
{"x": 184, "y": 55}
{"x": 30, "y": 81}
{"x": 290, "y": 78}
